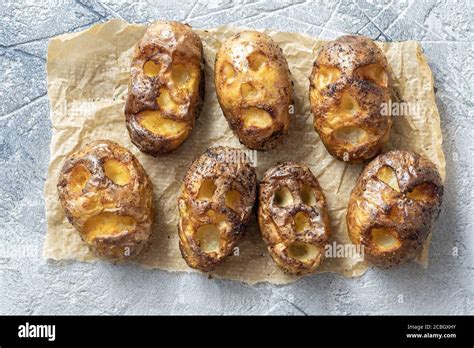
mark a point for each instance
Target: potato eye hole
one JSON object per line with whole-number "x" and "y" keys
{"x": 151, "y": 68}
{"x": 107, "y": 224}
{"x": 307, "y": 196}
{"x": 351, "y": 135}
{"x": 78, "y": 178}
{"x": 326, "y": 75}
{"x": 425, "y": 192}
{"x": 385, "y": 239}
{"x": 117, "y": 172}
{"x": 303, "y": 252}
{"x": 283, "y": 197}
{"x": 256, "y": 61}
{"x": 302, "y": 222}
{"x": 206, "y": 190}
{"x": 387, "y": 175}
{"x": 256, "y": 118}
{"x": 180, "y": 75}
{"x": 208, "y": 238}
{"x": 373, "y": 72}
{"x": 232, "y": 199}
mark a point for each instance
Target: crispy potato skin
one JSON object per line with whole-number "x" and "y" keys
{"x": 167, "y": 44}
{"x": 376, "y": 205}
{"x": 268, "y": 88}
{"x": 347, "y": 58}
{"x": 277, "y": 223}
{"x": 229, "y": 169}
{"x": 101, "y": 196}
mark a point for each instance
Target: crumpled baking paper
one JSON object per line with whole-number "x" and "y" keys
{"x": 88, "y": 74}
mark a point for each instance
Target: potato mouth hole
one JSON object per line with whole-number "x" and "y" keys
{"x": 154, "y": 122}
{"x": 107, "y": 224}
{"x": 117, "y": 172}
{"x": 208, "y": 238}
{"x": 385, "y": 239}
{"x": 232, "y": 199}
{"x": 302, "y": 251}
{"x": 151, "y": 69}
{"x": 388, "y": 176}
{"x": 206, "y": 190}
{"x": 258, "y": 118}
{"x": 307, "y": 196}
{"x": 283, "y": 197}
{"x": 373, "y": 72}
{"x": 256, "y": 61}
{"x": 424, "y": 192}
{"x": 78, "y": 178}
{"x": 301, "y": 222}
{"x": 350, "y": 134}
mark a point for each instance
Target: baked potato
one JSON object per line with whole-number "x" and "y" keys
{"x": 108, "y": 197}
{"x": 215, "y": 204}
{"x": 293, "y": 217}
{"x": 392, "y": 206}
{"x": 254, "y": 89}
{"x": 349, "y": 85}
{"x": 166, "y": 87}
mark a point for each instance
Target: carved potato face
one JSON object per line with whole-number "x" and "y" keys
{"x": 293, "y": 217}
{"x": 166, "y": 87}
{"x": 348, "y": 86}
{"x": 392, "y": 207}
{"x": 215, "y": 203}
{"x": 254, "y": 89}
{"x": 108, "y": 198}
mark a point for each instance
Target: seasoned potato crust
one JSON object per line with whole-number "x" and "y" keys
{"x": 166, "y": 87}
{"x": 254, "y": 89}
{"x": 349, "y": 85}
{"x": 293, "y": 217}
{"x": 392, "y": 207}
{"x": 108, "y": 197}
{"x": 215, "y": 204}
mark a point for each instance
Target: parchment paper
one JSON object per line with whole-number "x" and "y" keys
{"x": 87, "y": 86}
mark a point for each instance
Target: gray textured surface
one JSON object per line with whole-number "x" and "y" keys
{"x": 31, "y": 285}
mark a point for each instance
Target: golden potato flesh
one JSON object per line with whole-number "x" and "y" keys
{"x": 254, "y": 89}
{"x": 293, "y": 217}
{"x": 166, "y": 87}
{"x": 392, "y": 207}
{"x": 215, "y": 204}
{"x": 349, "y": 86}
{"x": 108, "y": 198}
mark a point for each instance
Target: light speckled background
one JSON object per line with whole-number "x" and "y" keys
{"x": 31, "y": 285}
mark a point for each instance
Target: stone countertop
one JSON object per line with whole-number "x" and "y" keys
{"x": 31, "y": 285}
